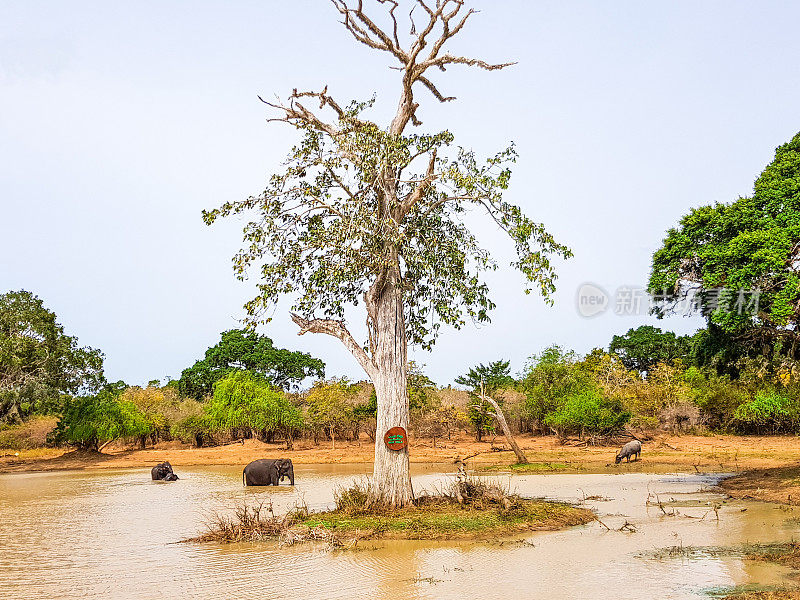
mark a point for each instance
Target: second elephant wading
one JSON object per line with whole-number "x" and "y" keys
{"x": 268, "y": 471}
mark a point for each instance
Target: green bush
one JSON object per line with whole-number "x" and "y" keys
{"x": 717, "y": 396}
{"x": 768, "y": 412}
{"x": 194, "y": 429}
{"x": 244, "y": 403}
{"x": 93, "y": 420}
{"x": 549, "y": 379}
{"x": 331, "y": 408}
{"x": 588, "y": 412}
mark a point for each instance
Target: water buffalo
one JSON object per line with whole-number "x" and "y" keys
{"x": 632, "y": 448}
{"x": 268, "y": 471}
{"x": 163, "y": 472}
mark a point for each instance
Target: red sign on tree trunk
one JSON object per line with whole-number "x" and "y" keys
{"x": 396, "y": 438}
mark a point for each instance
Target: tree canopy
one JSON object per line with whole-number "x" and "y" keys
{"x": 89, "y": 421}
{"x": 246, "y": 350}
{"x": 244, "y": 401}
{"x": 742, "y": 259}
{"x": 38, "y": 361}
{"x": 643, "y": 347}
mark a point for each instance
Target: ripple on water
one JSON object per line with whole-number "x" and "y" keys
{"x": 114, "y": 534}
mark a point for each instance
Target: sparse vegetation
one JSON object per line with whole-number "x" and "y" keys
{"x": 467, "y": 508}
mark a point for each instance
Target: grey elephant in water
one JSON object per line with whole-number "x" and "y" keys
{"x": 632, "y": 448}
{"x": 268, "y": 471}
{"x": 163, "y": 472}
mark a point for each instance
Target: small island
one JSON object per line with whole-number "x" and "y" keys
{"x": 468, "y": 508}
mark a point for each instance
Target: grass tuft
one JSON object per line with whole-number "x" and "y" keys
{"x": 465, "y": 508}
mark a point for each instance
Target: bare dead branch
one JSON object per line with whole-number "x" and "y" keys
{"x": 449, "y": 59}
{"x": 436, "y": 93}
{"x": 445, "y": 14}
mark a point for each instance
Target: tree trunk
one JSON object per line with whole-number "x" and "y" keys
{"x": 501, "y": 418}
{"x": 391, "y": 480}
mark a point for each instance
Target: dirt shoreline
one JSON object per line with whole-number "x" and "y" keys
{"x": 680, "y": 452}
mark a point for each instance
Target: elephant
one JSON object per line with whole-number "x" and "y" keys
{"x": 268, "y": 471}
{"x": 163, "y": 472}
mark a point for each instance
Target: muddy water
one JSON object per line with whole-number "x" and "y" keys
{"x": 114, "y": 534}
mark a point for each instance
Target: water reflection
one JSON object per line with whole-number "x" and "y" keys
{"x": 116, "y": 535}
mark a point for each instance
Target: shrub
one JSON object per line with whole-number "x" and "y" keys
{"x": 549, "y": 379}
{"x": 243, "y": 403}
{"x": 194, "y": 429}
{"x": 331, "y": 406}
{"x": 29, "y": 434}
{"x": 717, "y": 396}
{"x": 93, "y": 420}
{"x": 589, "y": 412}
{"x": 162, "y": 407}
{"x": 768, "y": 412}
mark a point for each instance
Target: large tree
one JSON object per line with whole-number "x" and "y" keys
{"x": 742, "y": 260}
{"x": 642, "y": 348}
{"x": 372, "y": 213}
{"x": 247, "y": 350}
{"x": 38, "y": 361}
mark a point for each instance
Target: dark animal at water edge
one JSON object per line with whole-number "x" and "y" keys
{"x": 632, "y": 448}
{"x": 268, "y": 471}
{"x": 163, "y": 472}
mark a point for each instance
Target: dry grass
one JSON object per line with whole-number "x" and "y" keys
{"x": 682, "y": 453}
{"x": 765, "y": 595}
{"x": 781, "y": 485}
{"x": 29, "y": 435}
{"x": 465, "y": 509}
{"x": 787, "y": 554}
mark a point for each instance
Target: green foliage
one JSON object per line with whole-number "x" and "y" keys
{"x": 39, "y": 364}
{"x": 769, "y": 412}
{"x": 89, "y": 421}
{"x": 489, "y": 379}
{"x": 323, "y": 230}
{"x": 549, "y": 379}
{"x": 717, "y": 396}
{"x": 330, "y": 406}
{"x": 748, "y": 244}
{"x": 641, "y": 348}
{"x": 588, "y": 412}
{"x": 246, "y": 350}
{"x": 193, "y": 429}
{"x": 162, "y": 407}
{"x": 367, "y": 409}
{"x": 421, "y": 389}
{"x": 244, "y": 402}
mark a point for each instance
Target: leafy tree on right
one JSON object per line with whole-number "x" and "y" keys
{"x": 743, "y": 261}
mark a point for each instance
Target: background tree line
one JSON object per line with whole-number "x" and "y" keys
{"x": 245, "y": 388}
{"x": 739, "y": 374}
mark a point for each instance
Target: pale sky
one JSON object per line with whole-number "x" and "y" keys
{"x": 121, "y": 121}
